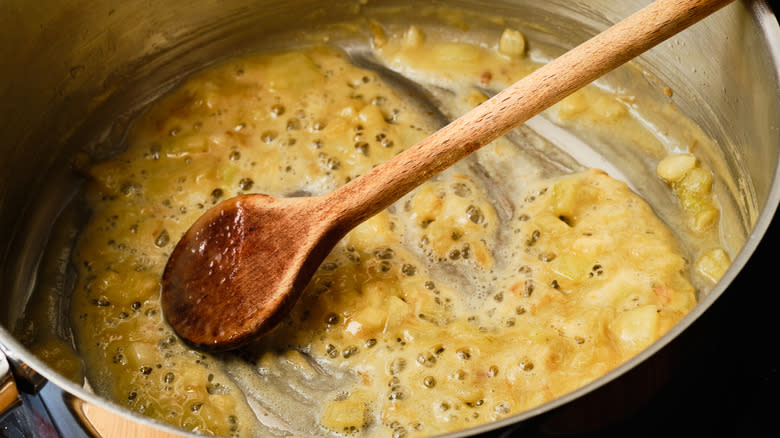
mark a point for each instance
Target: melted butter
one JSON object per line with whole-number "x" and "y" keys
{"x": 469, "y": 300}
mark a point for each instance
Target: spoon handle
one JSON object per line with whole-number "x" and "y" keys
{"x": 375, "y": 190}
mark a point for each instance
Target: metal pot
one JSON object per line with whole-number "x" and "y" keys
{"x": 71, "y": 69}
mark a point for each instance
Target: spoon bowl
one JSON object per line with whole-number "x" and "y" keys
{"x": 246, "y": 261}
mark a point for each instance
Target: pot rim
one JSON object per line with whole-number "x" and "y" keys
{"x": 766, "y": 21}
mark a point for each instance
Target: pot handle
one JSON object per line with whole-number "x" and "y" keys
{"x": 9, "y": 394}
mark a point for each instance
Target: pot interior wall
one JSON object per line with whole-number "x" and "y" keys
{"x": 76, "y": 72}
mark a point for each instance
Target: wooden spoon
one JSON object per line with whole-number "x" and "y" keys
{"x": 240, "y": 268}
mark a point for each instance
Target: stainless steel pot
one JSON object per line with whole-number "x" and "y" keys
{"x": 74, "y": 68}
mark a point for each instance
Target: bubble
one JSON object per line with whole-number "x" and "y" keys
{"x": 475, "y": 214}
{"x": 245, "y": 184}
{"x": 350, "y": 351}
{"x": 120, "y": 359}
{"x": 397, "y": 393}
{"x": 535, "y": 235}
{"x": 269, "y": 136}
{"x": 384, "y": 253}
{"x": 461, "y": 189}
{"x": 328, "y": 162}
{"x": 277, "y": 110}
{"x": 397, "y": 366}
{"x": 528, "y": 288}
{"x": 293, "y": 124}
{"x": 502, "y": 408}
{"x": 130, "y": 188}
{"x": 319, "y": 125}
{"x": 216, "y": 194}
{"x": 100, "y": 302}
{"x": 463, "y": 354}
{"x": 331, "y": 318}
{"x": 362, "y": 148}
{"x": 427, "y": 360}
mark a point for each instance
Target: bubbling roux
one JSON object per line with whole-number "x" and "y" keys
{"x": 489, "y": 290}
